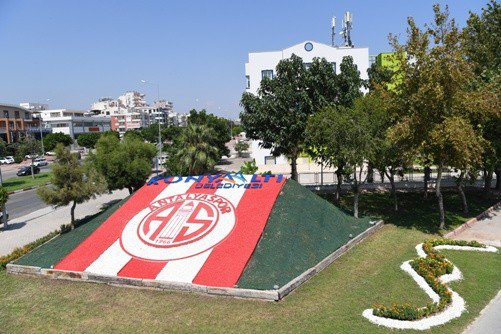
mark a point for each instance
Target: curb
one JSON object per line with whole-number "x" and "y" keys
{"x": 472, "y": 221}
{"x": 26, "y": 189}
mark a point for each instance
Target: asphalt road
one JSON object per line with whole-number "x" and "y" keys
{"x": 10, "y": 171}
{"x": 22, "y": 203}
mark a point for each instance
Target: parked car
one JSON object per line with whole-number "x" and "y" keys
{"x": 31, "y": 156}
{"x": 50, "y": 153}
{"x": 26, "y": 170}
{"x": 10, "y": 158}
{"x": 7, "y": 160}
{"x": 1, "y": 217}
{"x": 40, "y": 162}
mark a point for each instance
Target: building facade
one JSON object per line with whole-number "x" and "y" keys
{"x": 263, "y": 64}
{"x": 15, "y": 122}
{"x": 73, "y": 122}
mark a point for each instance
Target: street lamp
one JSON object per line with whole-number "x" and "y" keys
{"x": 158, "y": 121}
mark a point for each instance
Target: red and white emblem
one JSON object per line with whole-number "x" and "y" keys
{"x": 178, "y": 227}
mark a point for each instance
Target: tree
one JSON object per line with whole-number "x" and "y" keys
{"x": 193, "y": 152}
{"x": 28, "y": 146}
{"x": 432, "y": 99}
{"x": 221, "y": 127}
{"x": 71, "y": 182}
{"x": 52, "y": 139}
{"x": 88, "y": 140}
{"x": 483, "y": 50}
{"x": 236, "y": 130}
{"x": 348, "y": 83}
{"x": 241, "y": 147}
{"x": 124, "y": 164}
{"x": 342, "y": 134}
{"x": 4, "y": 197}
{"x": 279, "y": 114}
{"x": 3, "y": 148}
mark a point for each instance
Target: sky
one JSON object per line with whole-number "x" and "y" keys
{"x": 73, "y": 52}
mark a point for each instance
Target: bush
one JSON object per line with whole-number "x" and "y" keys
{"x": 249, "y": 167}
{"x": 430, "y": 268}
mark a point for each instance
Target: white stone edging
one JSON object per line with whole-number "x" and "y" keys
{"x": 454, "y": 310}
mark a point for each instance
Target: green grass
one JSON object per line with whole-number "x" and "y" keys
{"x": 21, "y": 182}
{"x": 331, "y": 302}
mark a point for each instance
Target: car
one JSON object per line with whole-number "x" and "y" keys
{"x": 26, "y": 170}
{"x": 1, "y": 217}
{"x": 10, "y": 158}
{"x": 50, "y": 153}
{"x": 31, "y": 156}
{"x": 7, "y": 160}
{"x": 40, "y": 162}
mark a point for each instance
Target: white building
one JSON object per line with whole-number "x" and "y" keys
{"x": 74, "y": 122}
{"x": 263, "y": 64}
{"x": 34, "y": 106}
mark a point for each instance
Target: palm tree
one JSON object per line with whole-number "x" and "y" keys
{"x": 197, "y": 155}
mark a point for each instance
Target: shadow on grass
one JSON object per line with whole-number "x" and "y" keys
{"x": 416, "y": 212}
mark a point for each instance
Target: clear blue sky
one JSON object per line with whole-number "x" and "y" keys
{"x": 74, "y": 52}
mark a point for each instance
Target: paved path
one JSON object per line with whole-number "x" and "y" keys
{"x": 38, "y": 223}
{"x": 489, "y": 321}
{"x": 487, "y": 231}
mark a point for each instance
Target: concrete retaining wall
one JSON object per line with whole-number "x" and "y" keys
{"x": 188, "y": 287}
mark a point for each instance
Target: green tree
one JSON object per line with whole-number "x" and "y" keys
{"x": 29, "y": 146}
{"x": 193, "y": 152}
{"x": 241, "y": 147}
{"x": 71, "y": 182}
{"x": 279, "y": 114}
{"x": 4, "y": 197}
{"x": 221, "y": 127}
{"x": 52, "y": 139}
{"x": 3, "y": 148}
{"x": 342, "y": 134}
{"x": 236, "y": 130}
{"x": 124, "y": 164}
{"x": 88, "y": 140}
{"x": 348, "y": 83}
{"x": 433, "y": 98}
{"x": 483, "y": 50}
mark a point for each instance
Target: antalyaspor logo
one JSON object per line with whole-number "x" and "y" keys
{"x": 178, "y": 226}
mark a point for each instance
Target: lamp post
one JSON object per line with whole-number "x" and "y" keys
{"x": 158, "y": 121}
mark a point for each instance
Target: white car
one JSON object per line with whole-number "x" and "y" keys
{"x": 28, "y": 156}
{"x": 7, "y": 160}
{"x": 40, "y": 162}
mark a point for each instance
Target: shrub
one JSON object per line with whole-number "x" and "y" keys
{"x": 430, "y": 268}
{"x": 20, "y": 251}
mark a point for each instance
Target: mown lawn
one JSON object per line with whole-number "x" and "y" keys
{"x": 21, "y": 182}
{"x": 331, "y": 302}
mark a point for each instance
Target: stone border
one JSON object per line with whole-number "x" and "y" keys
{"x": 270, "y": 295}
{"x": 472, "y": 221}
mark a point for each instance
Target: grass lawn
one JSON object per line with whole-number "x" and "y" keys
{"x": 331, "y": 302}
{"x": 21, "y": 182}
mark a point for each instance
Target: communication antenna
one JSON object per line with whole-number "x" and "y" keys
{"x": 347, "y": 26}
{"x": 333, "y": 34}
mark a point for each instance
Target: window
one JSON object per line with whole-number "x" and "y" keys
{"x": 16, "y": 114}
{"x": 55, "y": 114}
{"x": 26, "y": 115}
{"x": 247, "y": 79}
{"x": 6, "y": 114}
{"x": 308, "y": 46}
{"x": 334, "y": 66}
{"x": 270, "y": 160}
{"x": 267, "y": 74}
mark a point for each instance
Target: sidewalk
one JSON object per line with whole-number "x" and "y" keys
{"x": 488, "y": 321}
{"x": 39, "y": 223}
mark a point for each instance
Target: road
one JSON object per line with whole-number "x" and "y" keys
{"x": 9, "y": 171}
{"x": 22, "y": 203}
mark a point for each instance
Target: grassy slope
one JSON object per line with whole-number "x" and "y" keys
{"x": 330, "y": 302}
{"x": 20, "y": 182}
{"x": 301, "y": 231}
